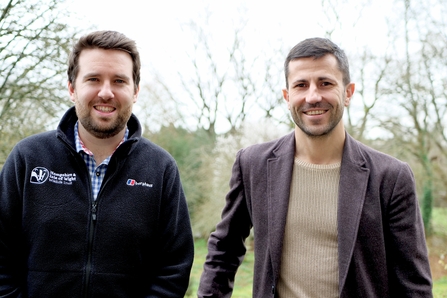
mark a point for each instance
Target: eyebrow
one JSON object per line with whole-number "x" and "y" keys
{"x": 122, "y": 76}
{"x": 319, "y": 79}
{"x": 94, "y": 74}
{"x": 326, "y": 78}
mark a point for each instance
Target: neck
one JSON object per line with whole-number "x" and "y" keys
{"x": 327, "y": 149}
{"x": 101, "y": 148}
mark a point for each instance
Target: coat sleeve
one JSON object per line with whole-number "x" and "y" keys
{"x": 11, "y": 260}
{"x": 226, "y": 245}
{"x": 409, "y": 268}
{"x": 176, "y": 252}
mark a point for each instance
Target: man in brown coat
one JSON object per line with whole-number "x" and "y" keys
{"x": 331, "y": 216}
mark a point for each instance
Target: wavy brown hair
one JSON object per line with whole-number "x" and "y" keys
{"x": 107, "y": 40}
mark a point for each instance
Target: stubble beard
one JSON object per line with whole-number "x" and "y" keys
{"x": 318, "y": 132}
{"x": 108, "y": 130}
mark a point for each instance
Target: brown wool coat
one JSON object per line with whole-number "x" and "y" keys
{"x": 382, "y": 250}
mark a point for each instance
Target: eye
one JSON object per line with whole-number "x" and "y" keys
{"x": 93, "y": 79}
{"x": 326, "y": 84}
{"x": 119, "y": 81}
{"x": 300, "y": 85}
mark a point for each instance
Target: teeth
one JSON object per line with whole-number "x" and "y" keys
{"x": 315, "y": 112}
{"x": 104, "y": 109}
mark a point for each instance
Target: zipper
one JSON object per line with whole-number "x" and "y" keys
{"x": 94, "y": 204}
{"x": 88, "y": 266}
{"x": 94, "y": 210}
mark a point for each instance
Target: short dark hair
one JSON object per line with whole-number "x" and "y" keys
{"x": 318, "y": 47}
{"x": 107, "y": 40}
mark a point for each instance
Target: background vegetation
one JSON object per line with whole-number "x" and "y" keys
{"x": 225, "y": 97}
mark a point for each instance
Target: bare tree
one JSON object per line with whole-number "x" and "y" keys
{"x": 224, "y": 84}
{"x": 33, "y": 51}
{"x": 416, "y": 117}
{"x": 370, "y": 71}
{"x": 221, "y": 88}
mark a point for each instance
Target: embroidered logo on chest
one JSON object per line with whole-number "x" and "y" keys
{"x": 40, "y": 175}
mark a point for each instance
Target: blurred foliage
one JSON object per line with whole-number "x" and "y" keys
{"x": 34, "y": 42}
{"x": 188, "y": 149}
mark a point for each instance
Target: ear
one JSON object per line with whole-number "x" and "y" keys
{"x": 135, "y": 96}
{"x": 285, "y": 94}
{"x": 349, "y": 92}
{"x": 71, "y": 91}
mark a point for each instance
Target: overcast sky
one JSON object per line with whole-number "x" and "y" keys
{"x": 160, "y": 27}
{"x": 157, "y": 25}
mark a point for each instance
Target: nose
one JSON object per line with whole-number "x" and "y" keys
{"x": 313, "y": 95}
{"x": 106, "y": 91}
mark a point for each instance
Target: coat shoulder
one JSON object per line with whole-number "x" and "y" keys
{"x": 276, "y": 147}
{"x": 372, "y": 158}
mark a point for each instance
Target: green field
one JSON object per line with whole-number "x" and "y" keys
{"x": 437, "y": 245}
{"x": 244, "y": 276}
{"x": 440, "y": 288}
{"x": 243, "y": 283}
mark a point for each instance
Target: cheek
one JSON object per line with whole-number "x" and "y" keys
{"x": 85, "y": 95}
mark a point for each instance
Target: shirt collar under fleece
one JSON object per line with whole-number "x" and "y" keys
{"x": 81, "y": 147}
{"x": 97, "y": 173}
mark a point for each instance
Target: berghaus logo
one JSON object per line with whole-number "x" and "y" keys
{"x": 132, "y": 182}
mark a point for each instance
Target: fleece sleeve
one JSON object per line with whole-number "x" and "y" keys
{"x": 176, "y": 245}
{"x": 11, "y": 262}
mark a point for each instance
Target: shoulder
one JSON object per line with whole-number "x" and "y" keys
{"x": 37, "y": 143}
{"x": 255, "y": 158}
{"x": 376, "y": 161}
{"x": 375, "y": 156}
{"x": 148, "y": 149}
{"x": 278, "y": 146}
{"x": 38, "y": 148}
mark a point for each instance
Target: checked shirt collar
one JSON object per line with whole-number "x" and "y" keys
{"x": 97, "y": 173}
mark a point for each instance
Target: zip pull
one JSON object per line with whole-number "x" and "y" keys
{"x": 94, "y": 210}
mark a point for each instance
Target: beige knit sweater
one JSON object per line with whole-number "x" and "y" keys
{"x": 309, "y": 266}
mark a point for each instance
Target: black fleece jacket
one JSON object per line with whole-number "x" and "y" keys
{"x": 134, "y": 241}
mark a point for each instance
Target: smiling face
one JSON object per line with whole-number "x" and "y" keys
{"x": 316, "y": 95}
{"x": 103, "y": 92}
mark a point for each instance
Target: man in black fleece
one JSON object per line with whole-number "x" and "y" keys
{"x": 93, "y": 209}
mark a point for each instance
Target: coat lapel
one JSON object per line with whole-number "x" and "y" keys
{"x": 353, "y": 183}
{"x": 279, "y": 171}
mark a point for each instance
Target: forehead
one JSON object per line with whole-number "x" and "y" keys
{"x": 100, "y": 60}
{"x": 309, "y": 67}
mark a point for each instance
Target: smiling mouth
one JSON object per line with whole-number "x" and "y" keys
{"x": 316, "y": 112}
{"x": 104, "y": 109}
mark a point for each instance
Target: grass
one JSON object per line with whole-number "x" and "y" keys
{"x": 244, "y": 276}
{"x": 439, "y": 221}
{"x": 438, "y": 247}
{"x": 440, "y": 288}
